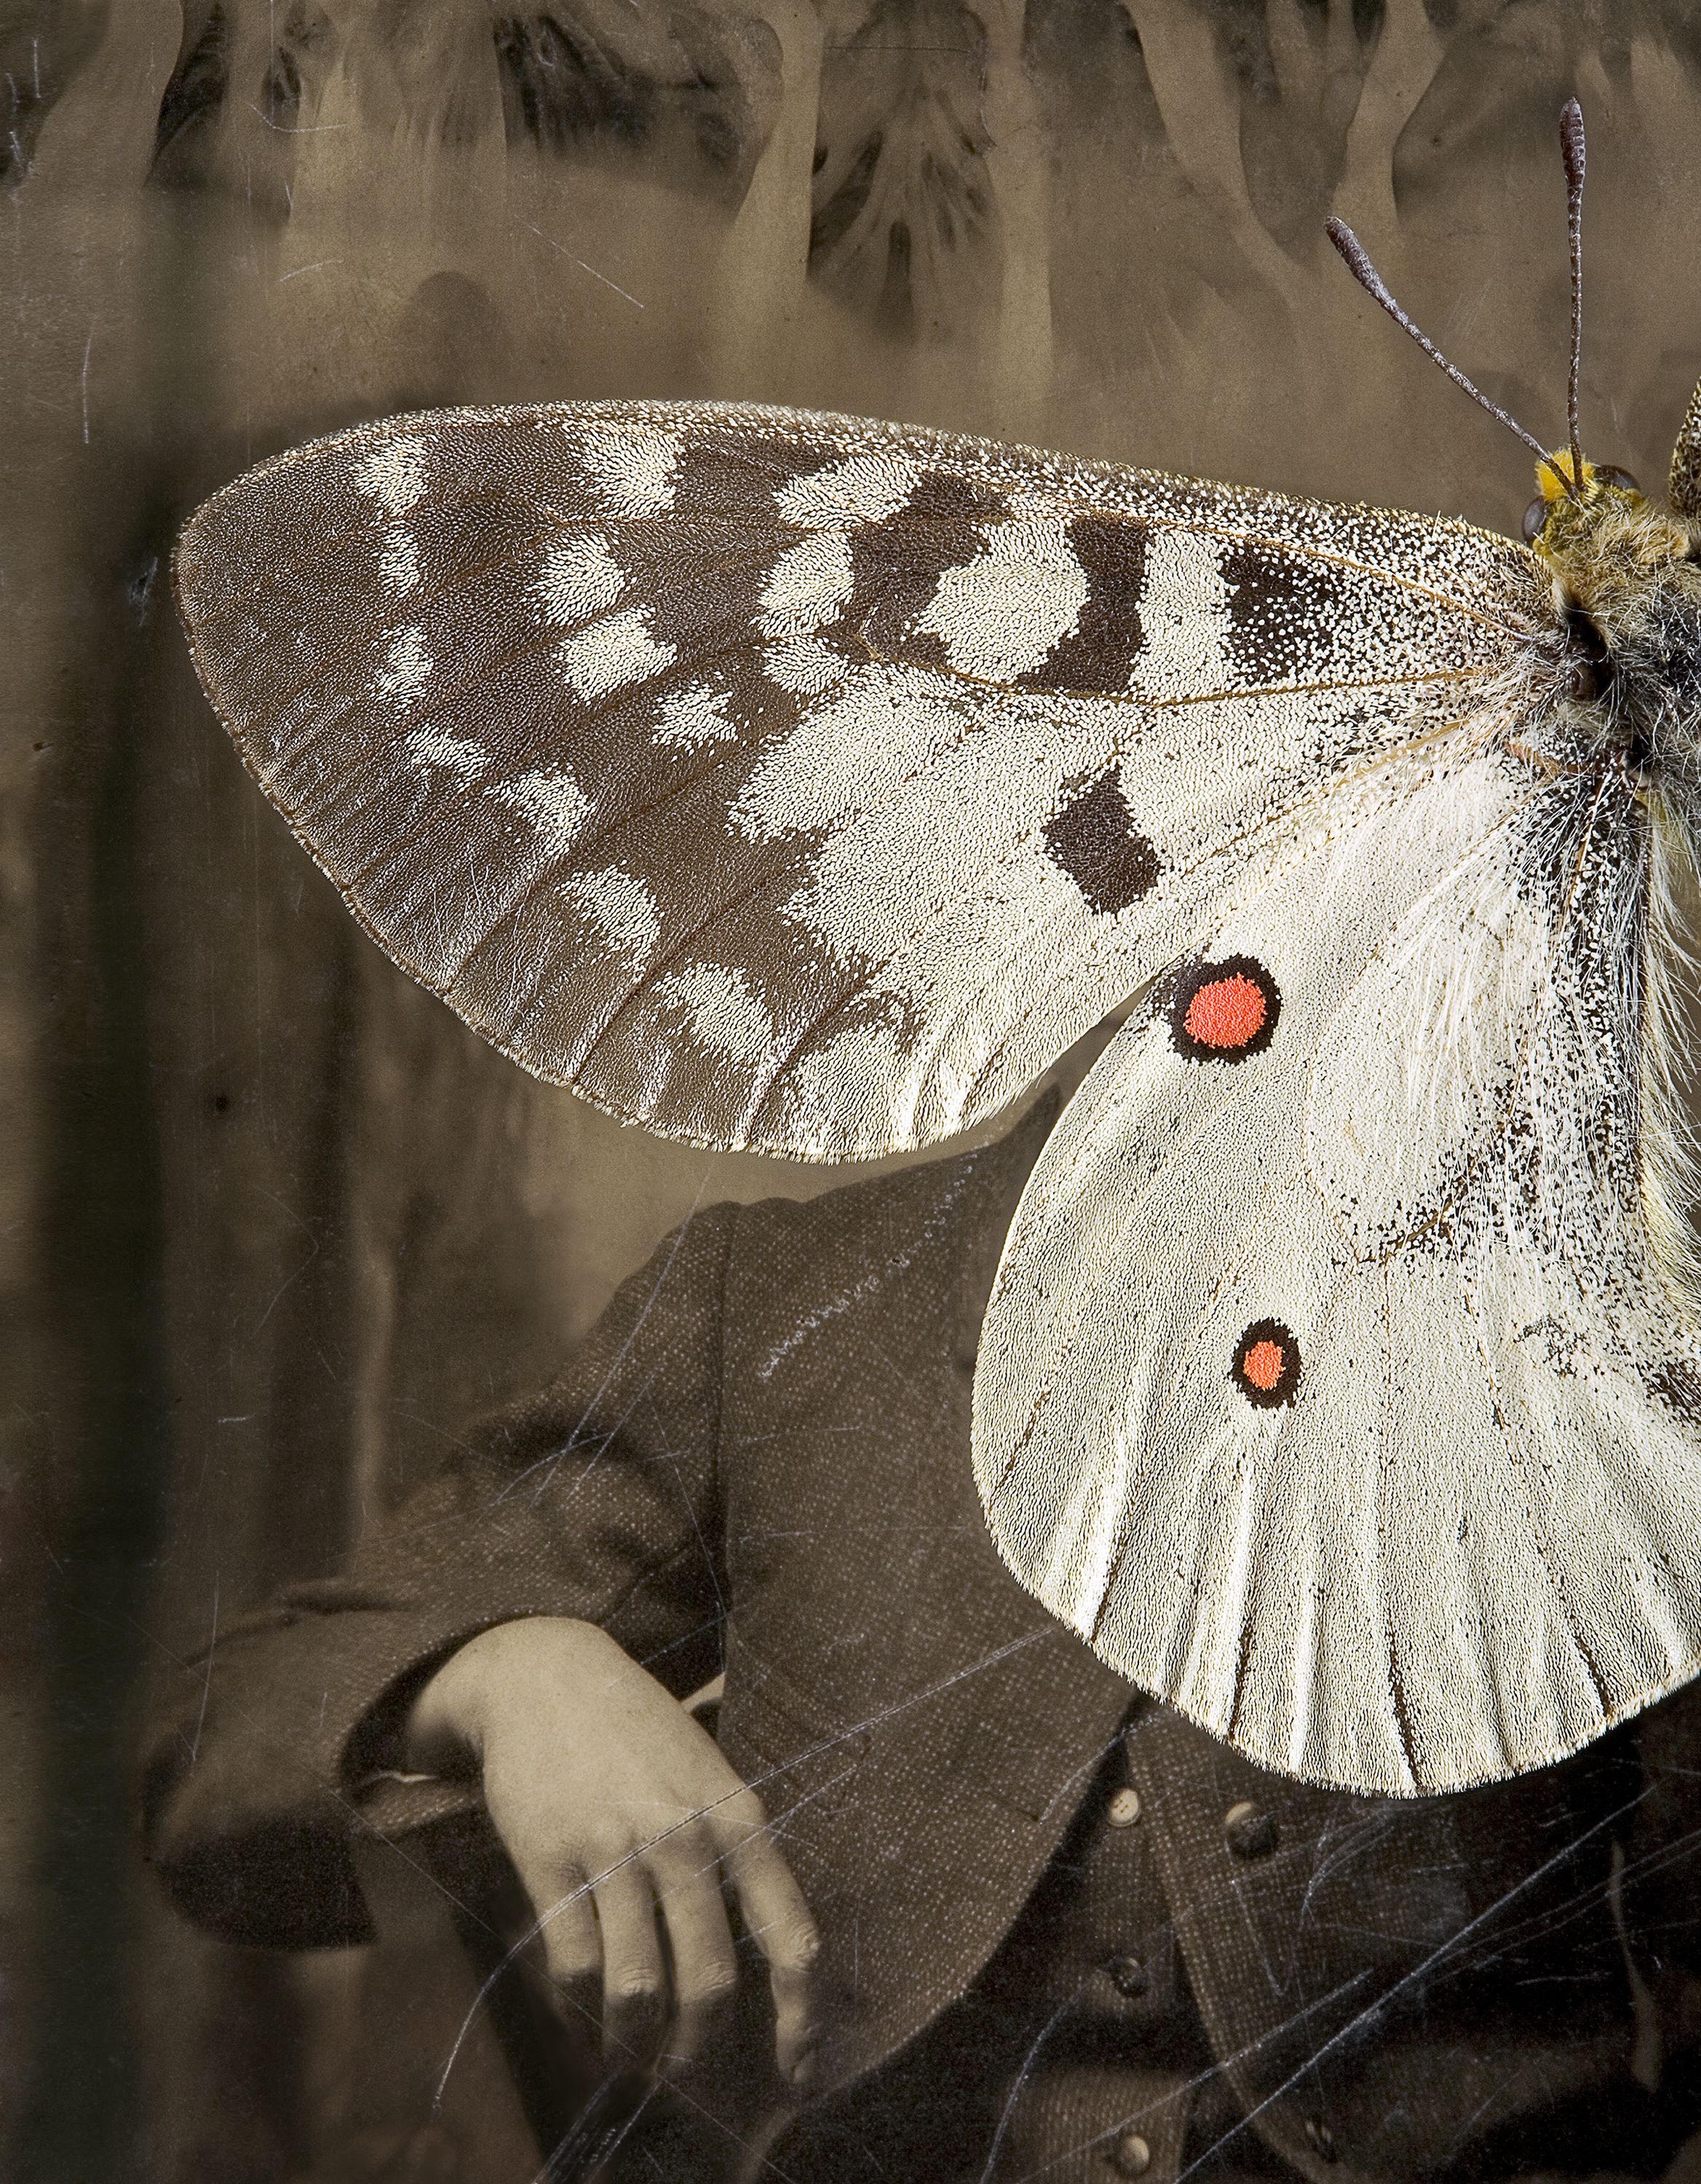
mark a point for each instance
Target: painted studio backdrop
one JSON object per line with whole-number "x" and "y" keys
{"x": 272, "y": 1225}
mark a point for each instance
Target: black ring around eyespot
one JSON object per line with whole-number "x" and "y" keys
{"x": 1192, "y": 980}
{"x": 1263, "y": 1393}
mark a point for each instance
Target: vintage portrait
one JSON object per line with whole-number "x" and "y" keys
{"x": 851, "y": 1158}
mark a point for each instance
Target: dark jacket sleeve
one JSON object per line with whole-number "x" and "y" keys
{"x": 597, "y": 1499}
{"x": 1661, "y": 1880}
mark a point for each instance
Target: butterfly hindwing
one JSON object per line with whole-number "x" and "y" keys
{"x": 787, "y": 780}
{"x": 1317, "y": 1385}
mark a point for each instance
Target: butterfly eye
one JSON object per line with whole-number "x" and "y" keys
{"x": 1535, "y": 515}
{"x": 1606, "y": 474}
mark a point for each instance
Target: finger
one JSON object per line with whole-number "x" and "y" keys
{"x": 572, "y": 1945}
{"x": 782, "y": 1927}
{"x": 634, "y": 1979}
{"x": 704, "y": 1970}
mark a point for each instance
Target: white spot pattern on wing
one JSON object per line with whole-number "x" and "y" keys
{"x": 827, "y": 1080}
{"x": 394, "y": 474}
{"x": 1000, "y": 613}
{"x": 579, "y": 579}
{"x": 606, "y": 655}
{"x": 453, "y": 754}
{"x": 861, "y": 489}
{"x": 407, "y": 663}
{"x": 723, "y": 1011}
{"x": 803, "y": 665}
{"x": 554, "y": 802}
{"x": 1030, "y": 913}
{"x": 810, "y": 583}
{"x": 949, "y": 792}
{"x": 845, "y": 756}
{"x": 399, "y": 560}
{"x": 631, "y": 473}
{"x": 1184, "y": 618}
{"x": 692, "y": 718}
{"x": 621, "y": 908}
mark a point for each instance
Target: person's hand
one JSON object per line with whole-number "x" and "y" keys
{"x": 624, "y": 1822}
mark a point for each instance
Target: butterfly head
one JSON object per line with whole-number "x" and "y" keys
{"x": 1606, "y": 494}
{"x": 1603, "y": 539}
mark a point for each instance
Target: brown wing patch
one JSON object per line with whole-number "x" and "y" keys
{"x": 897, "y": 562}
{"x": 1285, "y": 614}
{"x": 1101, "y": 651}
{"x": 1092, "y": 837}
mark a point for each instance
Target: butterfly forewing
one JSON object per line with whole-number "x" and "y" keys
{"x": 787, "y": 781}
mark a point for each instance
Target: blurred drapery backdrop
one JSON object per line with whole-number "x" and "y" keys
{"x": 271, "y": 1224}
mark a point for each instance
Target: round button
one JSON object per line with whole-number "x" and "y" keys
{"x": 1124, "y": 1808}
{"x": 1249, "y": 1831}
{"x": 1129, "y": 1976}
{"x": 1129, "y": 2154}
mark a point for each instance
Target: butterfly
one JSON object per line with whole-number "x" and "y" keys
{"x": 796, "y": 783}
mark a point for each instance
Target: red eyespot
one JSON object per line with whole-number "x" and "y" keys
{"x": 1228, "y": 1012}
{"x": 1224, "y": 1011}
{"x": 1266, "y": 1364}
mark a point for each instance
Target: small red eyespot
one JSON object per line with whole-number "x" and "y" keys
{"x": 1228, "y": 1012}
{"x": 1266, "y": 1364}
{"x": 1223, "y": 1012}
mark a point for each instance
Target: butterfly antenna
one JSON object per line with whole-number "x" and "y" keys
{"x": 1365, "y": 273}
{"x": 1574, "y": 151}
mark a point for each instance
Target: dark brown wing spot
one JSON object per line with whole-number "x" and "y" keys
{"x": 738, "y": 479}
{"x": 1100, "y": 651}
{"x": 1094, "y": 838}
{"x": 1282, "y": 613}
{"x": 1679, "y": 1384}
{"x": 896, "y": 565}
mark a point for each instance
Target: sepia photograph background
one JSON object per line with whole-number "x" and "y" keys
{"x": 273, "y": 1224}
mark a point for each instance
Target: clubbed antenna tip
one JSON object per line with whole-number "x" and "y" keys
{"x": 1358, "y": 261}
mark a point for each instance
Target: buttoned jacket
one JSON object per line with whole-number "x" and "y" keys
{"x": 759, "y": 1459}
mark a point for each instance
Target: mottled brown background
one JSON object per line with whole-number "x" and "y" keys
{"x": 270, "y": 1222}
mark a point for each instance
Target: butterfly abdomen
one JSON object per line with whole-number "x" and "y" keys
{"x": 1623, "y": 716}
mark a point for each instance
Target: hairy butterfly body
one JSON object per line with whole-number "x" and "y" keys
{"x": 785, "y": 781}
